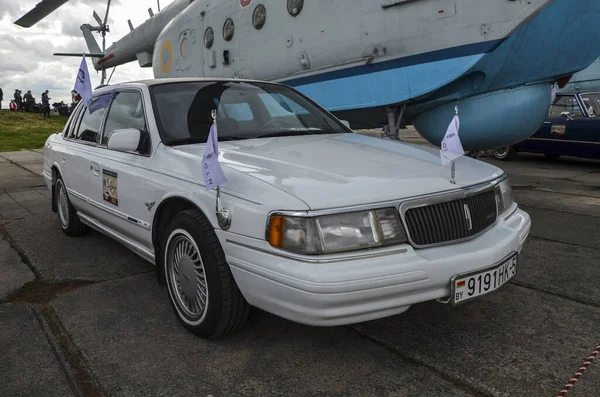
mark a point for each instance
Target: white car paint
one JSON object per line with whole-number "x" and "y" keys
{"x": 303, "y": 174}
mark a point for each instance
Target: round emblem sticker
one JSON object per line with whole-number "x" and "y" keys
{"x": 166, "y": 57}
{"x": 245, "y": 3}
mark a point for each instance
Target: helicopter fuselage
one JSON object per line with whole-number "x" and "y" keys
{"x": 365, "y": 60}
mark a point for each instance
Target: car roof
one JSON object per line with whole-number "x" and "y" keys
{"x": 159, "y": 81}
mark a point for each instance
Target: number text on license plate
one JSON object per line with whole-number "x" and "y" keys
{"x": 471, "y": 286}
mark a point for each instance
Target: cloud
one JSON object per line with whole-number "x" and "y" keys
{"x": 26, "y": 55}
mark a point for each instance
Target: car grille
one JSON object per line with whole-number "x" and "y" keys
{"x": 448, "y": 221}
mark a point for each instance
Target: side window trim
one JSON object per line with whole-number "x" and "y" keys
{"x": 103, "y": 122}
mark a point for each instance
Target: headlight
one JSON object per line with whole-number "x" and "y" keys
{"x": 504, "y": 195}
{"x": 336, "y": 233}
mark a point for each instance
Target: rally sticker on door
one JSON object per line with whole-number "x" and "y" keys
{"x": 109, "y": 186}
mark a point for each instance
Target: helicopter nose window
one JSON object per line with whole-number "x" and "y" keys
{"x": 295, "y": 7}
{"x": 228, "y": 29}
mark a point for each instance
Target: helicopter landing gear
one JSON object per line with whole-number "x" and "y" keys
{"x": 394, "y": 126}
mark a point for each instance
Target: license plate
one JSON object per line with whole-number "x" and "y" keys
{"x": 470, "y": 286}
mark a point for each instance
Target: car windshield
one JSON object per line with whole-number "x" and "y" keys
{"x": 592, "y": 104}
{"x": 244, "y": 111}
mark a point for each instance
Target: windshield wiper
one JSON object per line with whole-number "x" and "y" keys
{"x": 294, "y": 133}
{"x": 191, "y": 141}
{"x": 185, "y": 141}
{"x": 233, "y": 138}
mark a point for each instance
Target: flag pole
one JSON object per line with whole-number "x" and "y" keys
{"x": 223, "y": 214}
{"x": 453, "y": 167}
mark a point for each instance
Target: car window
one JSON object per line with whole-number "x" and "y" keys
{"x": 592, "y": 104}
{"x": 566, "y": 103}
{"x": 244, "y": 111}
{"x": 89, "y": 128}
{"x": 126, "y": 111}
{"x": 73, "y": 121}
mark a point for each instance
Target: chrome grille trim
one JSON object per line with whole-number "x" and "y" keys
{"x": 442, "y": 220}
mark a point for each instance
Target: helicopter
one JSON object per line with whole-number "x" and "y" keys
{"x": 376, "y": 64}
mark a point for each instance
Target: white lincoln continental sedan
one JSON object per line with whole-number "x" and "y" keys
{"x": 315, "y": 223}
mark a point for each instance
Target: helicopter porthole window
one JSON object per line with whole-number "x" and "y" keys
{"x": 209, "y": 38}
{"x": 228, "y": 29}
{"x": 295, "y": 7}
{"x": 259, "y": 17}
{"x": 185, "y": 47}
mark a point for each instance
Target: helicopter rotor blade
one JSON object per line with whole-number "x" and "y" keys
{"x": 107, "y": 9}
{"x": 41, "y": 11}
{"x": 97, "y": 18}
{"x": 77, "y": 54}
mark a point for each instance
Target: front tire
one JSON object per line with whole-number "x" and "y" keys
{"x": 68, "y": 220}
{"x": 202, "y": 290}
{"x": 505, "y": 153}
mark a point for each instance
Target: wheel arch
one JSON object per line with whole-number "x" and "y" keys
{"x": 165, "y": 211}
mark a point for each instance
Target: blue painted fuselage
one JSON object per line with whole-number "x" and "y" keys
{"x": 502, "y": 88}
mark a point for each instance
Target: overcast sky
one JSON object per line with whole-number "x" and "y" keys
{"x": 26, "y": 60}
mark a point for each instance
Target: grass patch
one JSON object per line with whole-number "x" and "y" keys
{"x": 27, "y": 130}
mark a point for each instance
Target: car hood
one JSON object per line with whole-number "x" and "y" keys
{"x": 339, "y": 170}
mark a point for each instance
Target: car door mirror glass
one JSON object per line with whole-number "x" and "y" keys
{"x": 125, "y": 140}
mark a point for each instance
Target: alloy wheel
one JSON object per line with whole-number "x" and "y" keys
{"x": 187, "y": 276}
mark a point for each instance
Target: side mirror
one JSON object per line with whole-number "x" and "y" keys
{"x": 126, "y": 140}
{"x": 567, "y": 115}
{"x": 346, "y": 123}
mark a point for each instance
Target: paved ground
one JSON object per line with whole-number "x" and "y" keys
{"x": 86, "y": 317}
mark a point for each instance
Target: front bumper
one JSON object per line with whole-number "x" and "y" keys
{"x": 357, "y": 287}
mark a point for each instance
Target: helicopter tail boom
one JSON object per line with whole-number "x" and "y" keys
{"x": 138, "y": 44}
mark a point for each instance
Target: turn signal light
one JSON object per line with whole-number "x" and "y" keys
{"x": 276, "y": 231}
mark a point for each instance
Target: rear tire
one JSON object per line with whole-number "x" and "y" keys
{"x": 505, "y": 153}
{"x": 202, "y": 290}
{"x": 68, "y": 219}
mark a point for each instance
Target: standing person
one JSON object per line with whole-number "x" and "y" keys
{"x": 29, "y": 101}
{"x": 45, "y": 104}
{"x": 1, "y": 97}
{"x": 18, "y": 100}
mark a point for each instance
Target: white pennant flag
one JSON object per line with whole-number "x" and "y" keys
{"x": 83, "y": 84}
{"x": 451, "y": 145}
{"x": 211, "y": 169}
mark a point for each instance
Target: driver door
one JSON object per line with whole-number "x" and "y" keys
{"x": 119, "y": 192}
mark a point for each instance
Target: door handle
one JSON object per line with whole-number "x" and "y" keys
{"x": 95, "y": 169}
